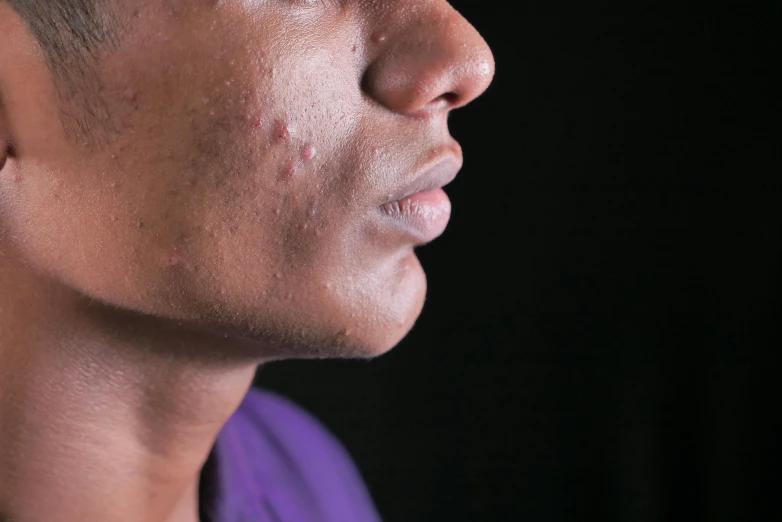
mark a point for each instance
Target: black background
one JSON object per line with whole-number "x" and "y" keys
{"x": 602, "y": 312}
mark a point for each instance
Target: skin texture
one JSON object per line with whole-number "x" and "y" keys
{"x": 222, "y": 209}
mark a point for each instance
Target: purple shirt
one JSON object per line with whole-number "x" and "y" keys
{"x": 273, "y": 462}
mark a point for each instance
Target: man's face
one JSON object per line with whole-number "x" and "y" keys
{"x": 246, "y": 155}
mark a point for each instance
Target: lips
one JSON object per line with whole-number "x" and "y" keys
{"x": 438, "y": 175}
{"x": 421, "y": 209}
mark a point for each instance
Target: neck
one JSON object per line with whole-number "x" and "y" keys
{"x": 105, "y": 415}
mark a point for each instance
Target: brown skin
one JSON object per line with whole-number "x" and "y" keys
{"x": 225, "y": 212}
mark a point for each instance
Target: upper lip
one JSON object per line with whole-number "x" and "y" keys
{"x": 437, "y": 174}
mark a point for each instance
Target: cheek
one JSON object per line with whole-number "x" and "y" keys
{"x": 274, "y": 174}
{"x": 235, "y": 187}
{"x": 71, "y": 225}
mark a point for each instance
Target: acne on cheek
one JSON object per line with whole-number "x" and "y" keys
{"x": 256, "y": 120}
{"x": 280, "y": 134}
{"x": 379, "y": 36}
{"x": 171, "y": 257}
{"x": 307, "y": 153}
{"x": 273, "y": 132}
{"x": 289, "y": 171}
{"x": 130, "y": 97}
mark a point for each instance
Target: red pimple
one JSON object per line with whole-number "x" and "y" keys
{"x": 131, "y": 97}
{"x": 171, "y": 257}
{"x": 289, "y": 171}
{"x": 281, "y": 130}
{"x": 307, "y": 152}
{"x": 256, "y": 121}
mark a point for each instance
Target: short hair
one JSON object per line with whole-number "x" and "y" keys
{"x": 73, "y": 34}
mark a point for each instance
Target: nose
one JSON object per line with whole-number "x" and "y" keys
{"x": 432, "y": 60}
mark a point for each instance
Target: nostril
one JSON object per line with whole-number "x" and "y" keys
{"x": 451, "y": 98}
{"x": 9, "y": 152}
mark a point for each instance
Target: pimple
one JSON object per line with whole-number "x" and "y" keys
{"x": 289, "y": 171}
{"x": 139, "y": 223}
{"x": 172, "y": 257}
{"x": 256, "y": 121}
{"x": 307, "y": 152}
{"x": 380, "y": 37}
{"x": 131, "y": 97}
{"x": 282, "y": 131}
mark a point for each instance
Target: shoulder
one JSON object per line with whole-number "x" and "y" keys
{"x": 297, "y": 453}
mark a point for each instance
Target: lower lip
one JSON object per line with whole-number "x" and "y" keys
{"x": 423, "y": 215}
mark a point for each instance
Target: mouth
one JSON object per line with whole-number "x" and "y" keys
{"x": 422, "y": 209}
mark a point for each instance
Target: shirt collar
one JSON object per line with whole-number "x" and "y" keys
{"x": 229, "y": 491}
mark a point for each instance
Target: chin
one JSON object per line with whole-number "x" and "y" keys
{"x": 395, "y": 311}
{"x": 344, "y": 311}
{"x": 318, "y": 341}
{"x": 364, "y": 320}
{"x": 367, "y": 342}
{"x": 372, "y": 335}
